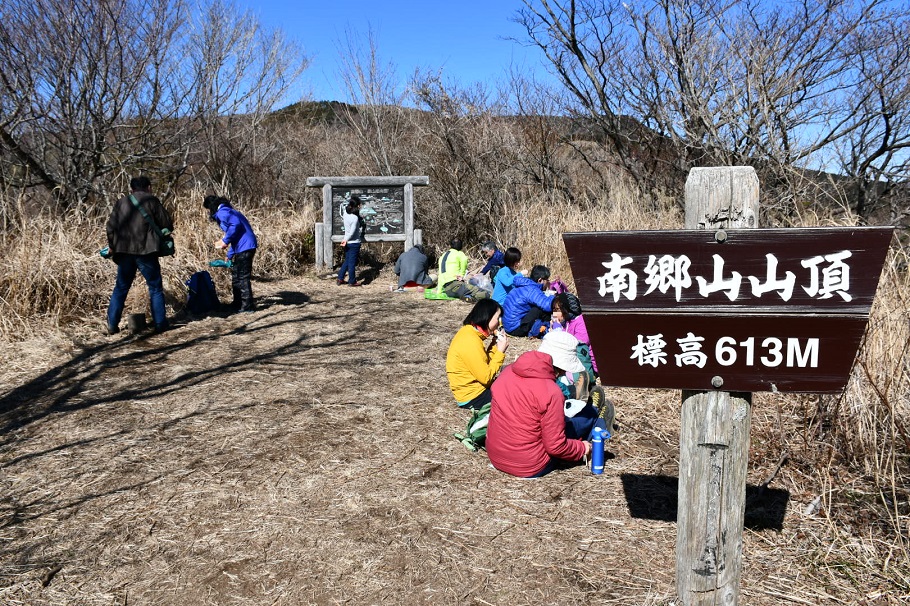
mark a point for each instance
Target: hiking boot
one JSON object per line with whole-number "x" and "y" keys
{"x": 582, "y": 386}
{"x": 605, "y": 408}
{"x": 110, "y": 330}
{"x": 356, "y": 284}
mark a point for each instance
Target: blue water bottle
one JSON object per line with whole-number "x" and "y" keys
{"x": 597, "y": 451}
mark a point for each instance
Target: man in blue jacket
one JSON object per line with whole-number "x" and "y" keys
{"x": 240, "y": 242}
{"x": 527, "y": 309}
{"x": 494, "y": 257}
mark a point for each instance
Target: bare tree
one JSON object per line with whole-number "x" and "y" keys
{"x": 90, "y": 91}
{"x": 376, "y": 117}
{"x": 240, "y": 71}
{"x": 774, "y": 85}
{"x": 81, "y": 91}
{"x": 468, "y": 152}
{"x": 874, "y": 156}
{"x": 545, "y": 144}
{"x": 583, "y": 43}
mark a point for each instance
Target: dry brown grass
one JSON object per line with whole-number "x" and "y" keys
{"x": 300, "y": 455}
{"x": 536, "y": 226}
{"x": 54, "y": 278}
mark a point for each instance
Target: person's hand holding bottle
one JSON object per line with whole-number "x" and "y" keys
{"x": 502, "y": 340}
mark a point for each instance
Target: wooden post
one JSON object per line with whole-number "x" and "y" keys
{"x": 365, "y": 184}
{"x": 327, "y": 252}
{"x": 714, "y": 432}
{"x": 320, "y": 243}
{"x": 408, "y": 216}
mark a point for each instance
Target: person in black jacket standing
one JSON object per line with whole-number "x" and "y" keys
{"x": 134, "y": 244}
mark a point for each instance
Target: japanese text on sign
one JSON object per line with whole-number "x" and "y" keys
{"x": 825, "y": 276}
{"x": 769, "y": 352}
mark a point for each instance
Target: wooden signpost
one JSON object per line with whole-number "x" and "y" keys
{"x": 764, "y": 310}
{"x": 721, "y": 313}
{"x": 387, "y": 209}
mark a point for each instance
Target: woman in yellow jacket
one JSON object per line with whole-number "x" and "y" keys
{"x": 470, "y": 365}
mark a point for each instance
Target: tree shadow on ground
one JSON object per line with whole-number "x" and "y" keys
{"x": 654, "y": 497}
{"x": 78, "y": 383}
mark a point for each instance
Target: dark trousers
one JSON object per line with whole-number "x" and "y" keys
{"x": 535, "y": 317}
{"x": 241, "y": 276}
{"x": 480, "y": 401}
{"x": 349, "y": 266}
{"x": 150, "y": 269}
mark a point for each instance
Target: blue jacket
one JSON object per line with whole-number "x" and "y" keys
{"x": 506, "y": 279}
{"x": 237, "y": 231}
{"x": 524, "y": 295}
{"x": 497, "y": 260}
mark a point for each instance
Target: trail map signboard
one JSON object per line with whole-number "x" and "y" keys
{"x": 742, "y": 310}
{"x": 382, "y": 209}
{"x": 387, "y": 210}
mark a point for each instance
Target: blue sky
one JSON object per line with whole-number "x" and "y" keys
{"x": 466, "y": 39}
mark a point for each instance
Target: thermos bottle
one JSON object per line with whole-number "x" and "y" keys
{"x": 597, "y": 451}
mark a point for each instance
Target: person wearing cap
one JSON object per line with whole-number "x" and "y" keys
{"x": 239, "y": 243}
{"x": 529, "y": 433}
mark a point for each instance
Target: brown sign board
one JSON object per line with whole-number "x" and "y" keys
{"x": 748, "y": 353}
{"x": 740, "y": 310}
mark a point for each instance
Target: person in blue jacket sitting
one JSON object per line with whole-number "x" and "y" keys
{"x": 494, "y": 257}
{"x": 507, "y": 276}
{"x": 526, "y": 312}
{"x": 240, "y": 243}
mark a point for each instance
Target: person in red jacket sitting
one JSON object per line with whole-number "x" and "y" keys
{"x": 526, "y": 435}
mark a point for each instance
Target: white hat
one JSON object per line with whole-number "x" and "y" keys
{"x": 561, "y": 347}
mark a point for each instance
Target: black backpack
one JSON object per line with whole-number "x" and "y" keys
{"x": 202, "y": 296}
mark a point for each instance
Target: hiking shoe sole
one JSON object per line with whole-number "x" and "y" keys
{"x": 607, "y": 412}
{"x": 582, "y": 387}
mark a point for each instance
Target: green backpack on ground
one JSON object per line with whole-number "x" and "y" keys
{"x": 475, "y": 433}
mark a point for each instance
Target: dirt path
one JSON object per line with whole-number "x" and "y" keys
{"x": 302, "y": 455}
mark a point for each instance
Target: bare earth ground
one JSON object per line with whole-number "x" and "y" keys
{"x": 303, "y": 454}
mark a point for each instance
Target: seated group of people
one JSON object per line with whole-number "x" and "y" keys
{"x": 545, "y": 405}
{"x": 527, "y": 301}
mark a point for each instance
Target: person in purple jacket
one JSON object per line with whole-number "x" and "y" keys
{"x": 240, "y": 243}
{"x": 567, "y": 312}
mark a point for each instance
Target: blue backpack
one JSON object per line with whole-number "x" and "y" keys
{"x": 201, "y": 297}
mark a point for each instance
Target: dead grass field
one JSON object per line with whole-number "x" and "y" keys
{"x": 303, "y": 454}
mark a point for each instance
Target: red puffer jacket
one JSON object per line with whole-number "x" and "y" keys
{"x": 527, "y": 423}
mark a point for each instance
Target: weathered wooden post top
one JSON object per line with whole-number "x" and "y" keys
{"x": 720, "y": 311}
{"x": 387, "y": 210}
